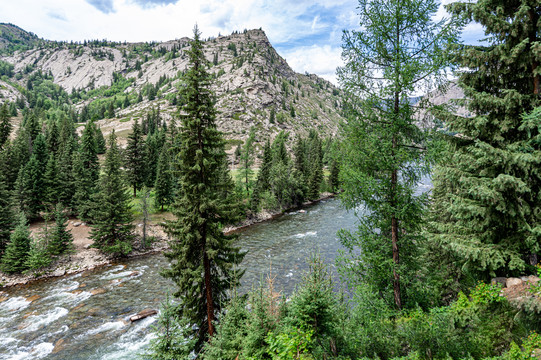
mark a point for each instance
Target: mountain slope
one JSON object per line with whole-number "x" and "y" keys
{"x": 254, "y": 86}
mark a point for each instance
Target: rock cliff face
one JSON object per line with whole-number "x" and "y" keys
{"x": 254, "y": 86}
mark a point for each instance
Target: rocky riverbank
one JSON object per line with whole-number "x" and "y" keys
{"x": 85, "y": 258}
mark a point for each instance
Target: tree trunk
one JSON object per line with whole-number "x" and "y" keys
{"x": 208, "y": 291}
{"x": 394, "y": 220}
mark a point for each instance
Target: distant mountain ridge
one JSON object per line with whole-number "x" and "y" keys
{"x": 254, "y": 85}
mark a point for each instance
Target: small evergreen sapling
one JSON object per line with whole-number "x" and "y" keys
{"x": 17, "y": 251}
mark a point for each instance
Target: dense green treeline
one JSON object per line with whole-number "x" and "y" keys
{"x": 46, "y": 166}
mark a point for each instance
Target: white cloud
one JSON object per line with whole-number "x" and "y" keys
{"x": 315, "y": 59}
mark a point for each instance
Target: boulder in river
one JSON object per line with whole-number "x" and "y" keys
{"x": 143, "y": 314}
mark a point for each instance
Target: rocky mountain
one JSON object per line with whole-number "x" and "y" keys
{"x": 118, "y": 83}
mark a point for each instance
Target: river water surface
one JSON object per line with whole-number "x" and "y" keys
{"x": 86, "y": 316}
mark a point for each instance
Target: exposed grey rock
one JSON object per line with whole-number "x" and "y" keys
{"x": 513, "y": 282}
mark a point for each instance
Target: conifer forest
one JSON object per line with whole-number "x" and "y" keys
{"x": 113, "y": 152}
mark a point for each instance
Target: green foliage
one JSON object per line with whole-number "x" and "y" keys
{"x": 38, "y": 257}
{"x": 6, "y": 215}
{"x": 399, "y": 49}
{"x": 487, "y": 210}
{"x": 112, "y": 230}
{"x": 135, "y": 158}
{"x": 173, "y": 341}
{"x": 5, "y": 124}
{"x": 246, "y": 161}
{"x": 86, "y": 171}
{"x": 202, "y": 257}
{"x": 164, "y": 181}
{"x": 61, "y": 240}
{"x": 18, "y": 248}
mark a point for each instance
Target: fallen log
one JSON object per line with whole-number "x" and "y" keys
{"x": 143, "y": 314}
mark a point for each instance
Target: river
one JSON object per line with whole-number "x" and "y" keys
{"x": 86, "y": 316}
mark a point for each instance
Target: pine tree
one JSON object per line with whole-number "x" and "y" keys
{"x": 163, "y": 186}
{"x": 100, "y": 142}
{"x": 86, "y": 172}
{"x": 61, "y": 240}
{"x": 398, "y": 50}
{"x": 6, "y": 215}
{"x": 334, "y": 182}
{"x": 315, "y": 167}
{"x": 66, "y": 181}
{"x": 263, "y": 177}
{"x": 30, "y": 188}
{"x": 153, "y": 145}
{"x": 18, "y": 248}
{"x": 5, "y": 125}
{"x": 38, "y": 258}
{"x": 112, "y": 230}
{"x": 51, "y": 183}
{"x": 135, "y": 158}
{"x": 202, "y": 257}
{"x": 53, "y": 137}
{"x": 246, "y": 160}
{"x": 487, "y": 212}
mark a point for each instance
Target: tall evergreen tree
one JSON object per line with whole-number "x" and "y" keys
{"x": 53, "y": 137}
{"x": 112, "y": 230}
{"x": 246, "y": 160}
{"x": 6, "y": 215}
{"x": 86, "y": 171}
{"x": 153, "y": 145}
{"x": 18, "y": 248}
{"x": 61, "y": 240}
{"x": 398, "y": 50}
{"x": 135, "y": 158}
{"x": 487, "y": 211}
{"x": 163, "y": 186}
{"x": 315, "y": 167}
{"x": 5, "y": 124}
{"x": 202, "y": 257}
{"x": 51, "y": 183}
{"x": 262, "y": 183}
{"x": 100, "y": 141}
{"x": 30, "y": 188}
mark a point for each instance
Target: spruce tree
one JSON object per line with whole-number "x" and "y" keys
{"x": 5, "y": 124}
{"x": 51, "y": 182}
{"x": 30, "y": 188}
{"x": 163, "y": 187}
{"x": 398, "y": 50}
{"x": 61, "y": 240}
{"x": 6, "y": 215}
{"x": 112, "y": 230}
{"x": 487, "y": 209}
{"x": 135, "y": 158}
{"x": 18, "y": 248}
{"x": 100, "y": 142}
{"x": 246, "y": 160}
{"x": 262, "y": 183}
{"x": 53, "y": 137}
{"x": 86, "y": 171}
{"x": 202, "y": 257}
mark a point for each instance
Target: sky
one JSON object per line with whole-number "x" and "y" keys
{"x": 307, "y": 33}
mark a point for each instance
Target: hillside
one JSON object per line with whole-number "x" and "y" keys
{"x": 117, "y": 83}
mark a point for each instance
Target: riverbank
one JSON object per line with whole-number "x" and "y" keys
{"x": 86, "y": 258}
